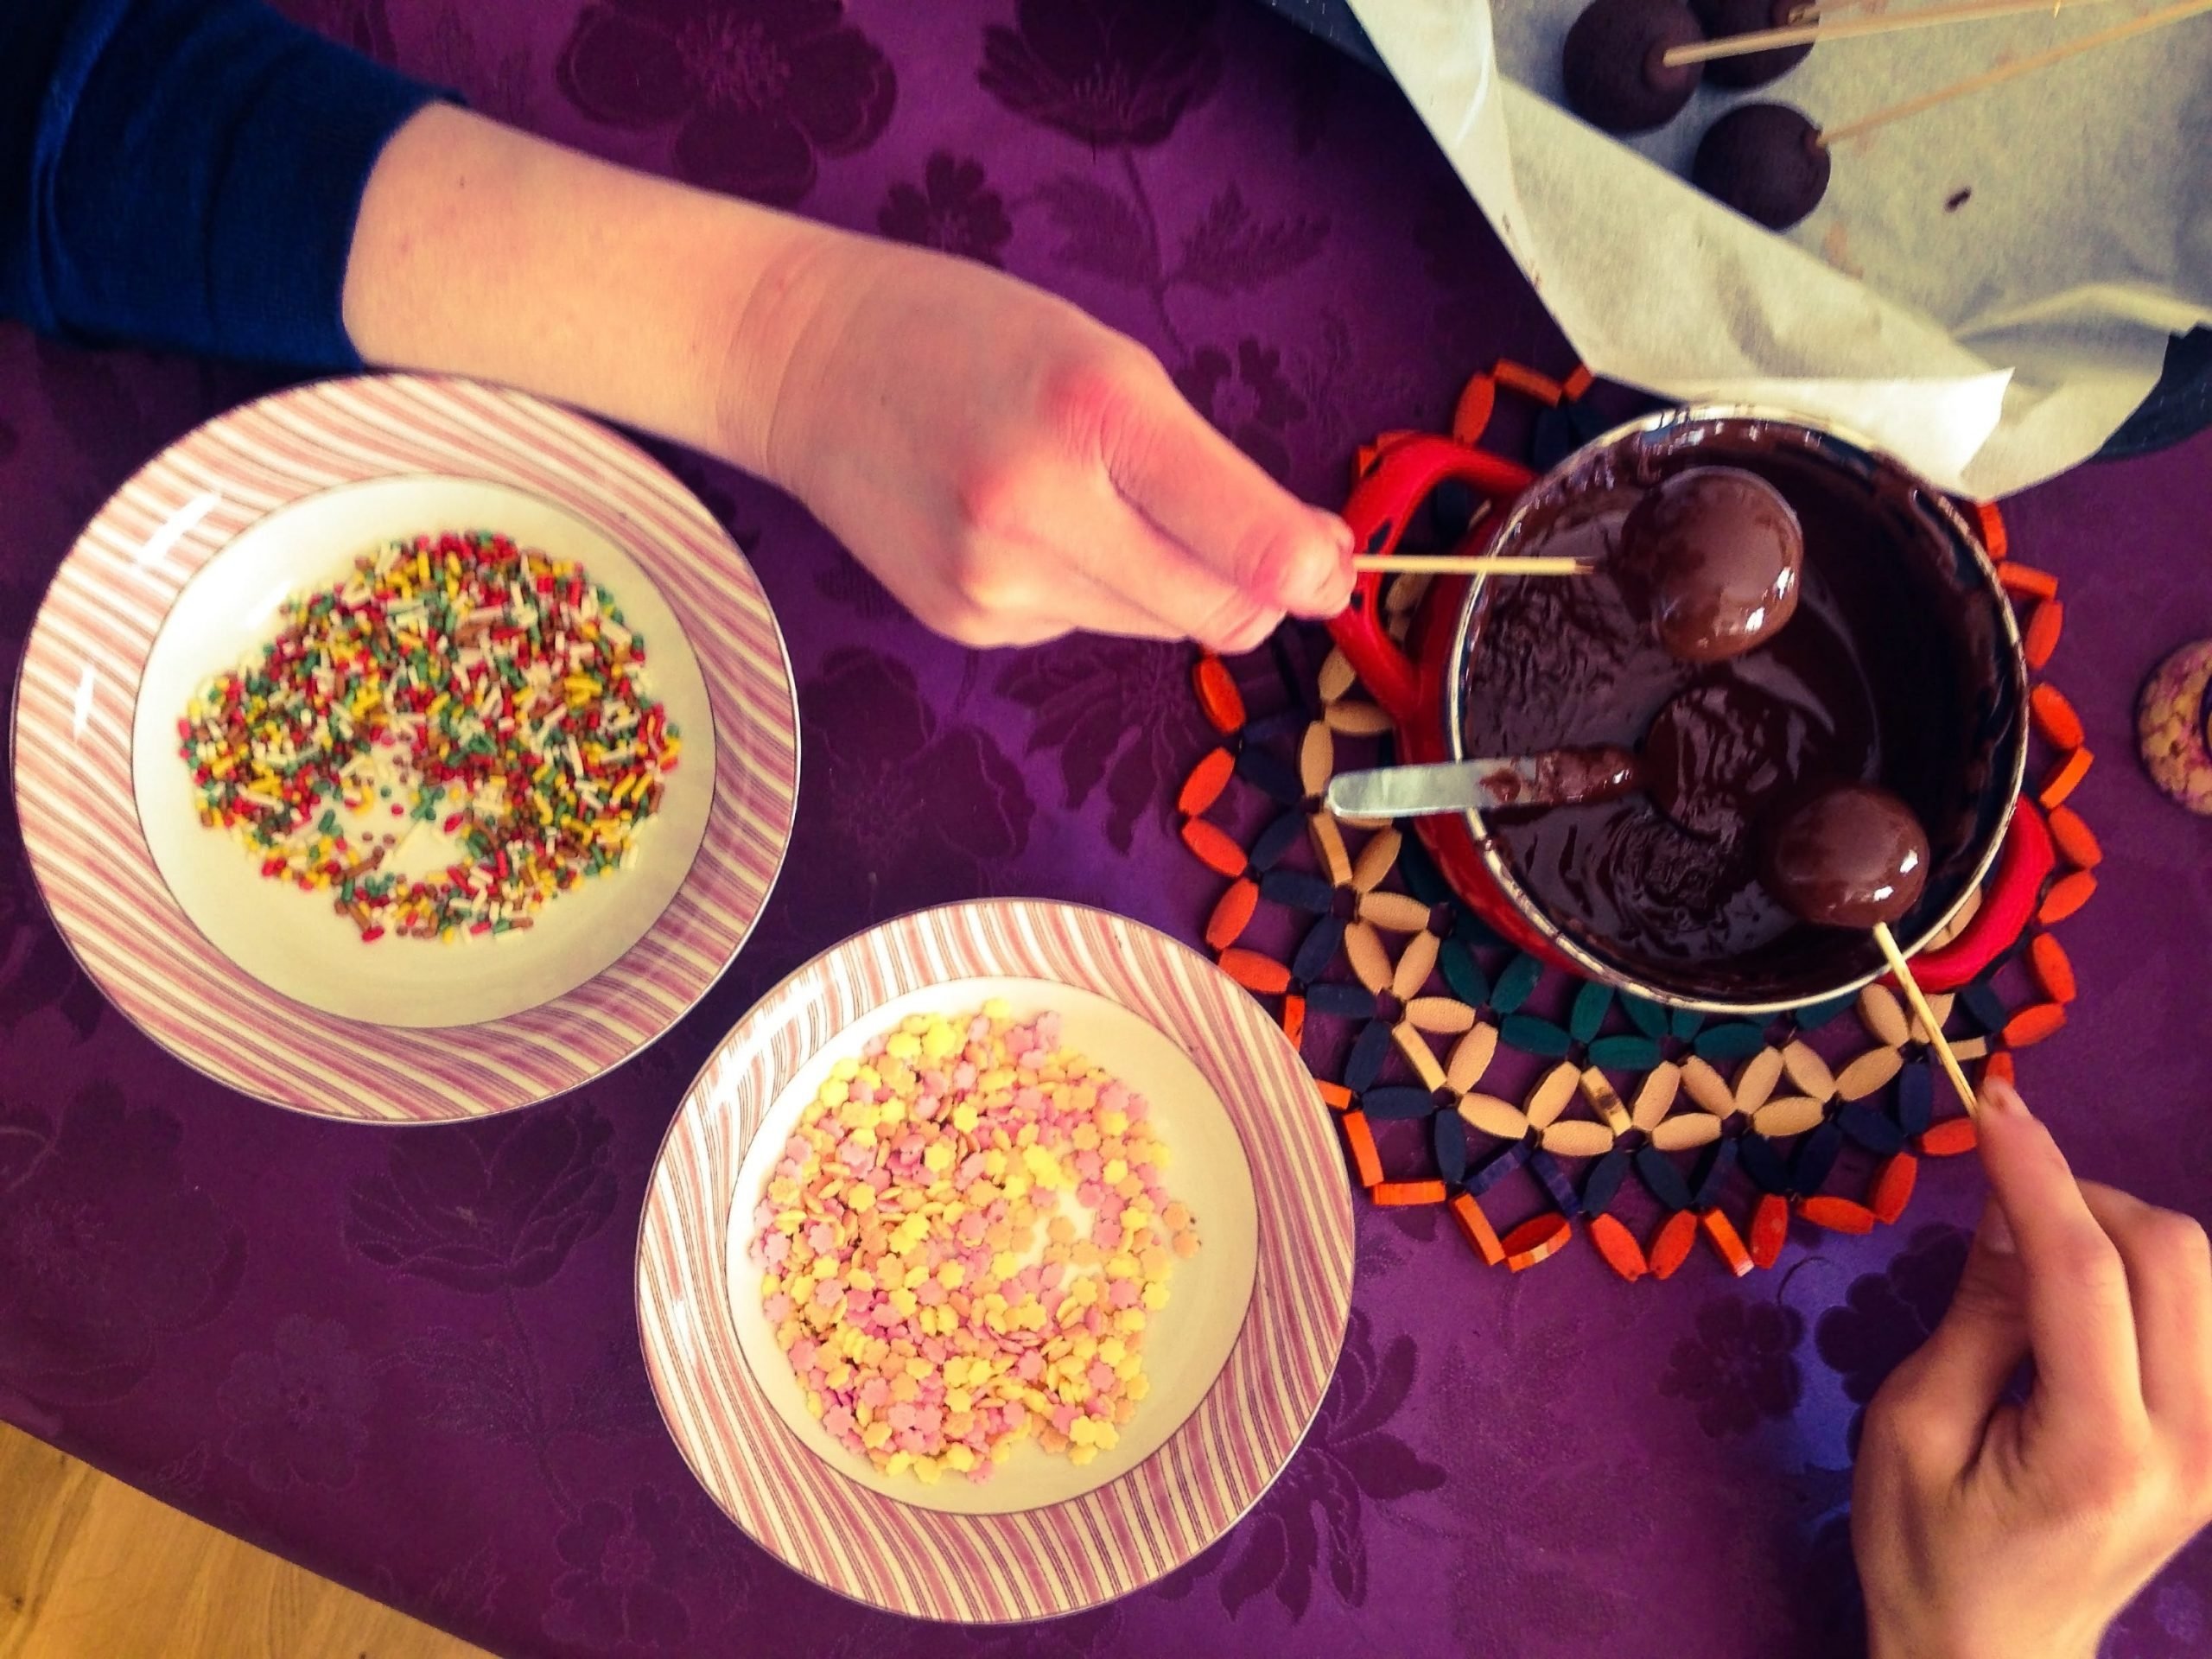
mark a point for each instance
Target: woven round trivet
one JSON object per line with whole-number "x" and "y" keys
{"x": 1467, "y": 1074}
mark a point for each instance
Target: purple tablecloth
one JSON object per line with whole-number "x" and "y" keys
{"x": 408, "y": 1359}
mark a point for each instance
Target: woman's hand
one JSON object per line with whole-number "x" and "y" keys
{"x": 1009, "y": 467}
{"x": 1989, "y": 1531}
{"x": 1012, "y": 469}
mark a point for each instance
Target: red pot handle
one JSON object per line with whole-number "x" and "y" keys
{"x": 1380, "y": 506}
{"x": 2007, "y": 907}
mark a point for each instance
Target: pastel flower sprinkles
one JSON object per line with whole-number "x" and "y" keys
{"x": 938, "y": 1299}
{"x": 443, "y": 741}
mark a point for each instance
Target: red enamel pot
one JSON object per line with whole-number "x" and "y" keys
{"x": 1418, "y": 685}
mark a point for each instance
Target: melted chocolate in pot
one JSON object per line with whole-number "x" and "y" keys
{"x": 1864, "y": 684}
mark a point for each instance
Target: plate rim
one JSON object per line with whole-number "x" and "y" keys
{"x": 1338, "y": 1203}
{"x": 450, "y": 395}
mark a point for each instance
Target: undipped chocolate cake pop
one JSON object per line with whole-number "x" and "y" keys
{"x": 1714, "y": 554}
{"x": 1722, "y": 18}
{"x": 1850, "y": 857}
{"x": 1766, "y": 161}
{"x": 1615, "y": 79}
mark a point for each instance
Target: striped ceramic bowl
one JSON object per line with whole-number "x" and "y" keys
{"x": 1238, "y": 1360}
{"x": 257, "y": 984}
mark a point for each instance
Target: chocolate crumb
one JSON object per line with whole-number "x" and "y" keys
{"x": 1958, "y": 199}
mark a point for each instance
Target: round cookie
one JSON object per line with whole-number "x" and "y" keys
{"x": 2173, "y": 727}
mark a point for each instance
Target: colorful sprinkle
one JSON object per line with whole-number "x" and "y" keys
{"x": 492, "y": 696}
{"x": 938, "y": 1301}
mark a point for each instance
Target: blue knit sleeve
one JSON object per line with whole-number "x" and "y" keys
{"x": 185, "y": 174}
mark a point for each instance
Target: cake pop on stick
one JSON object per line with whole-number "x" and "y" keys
{"x": 1766, "y": 161}
{"x": 1613, "y": 64}
{"x": 1713, "y": 555}
{"x": 1855, "y": 856}
{"x": 1726, "y": 23}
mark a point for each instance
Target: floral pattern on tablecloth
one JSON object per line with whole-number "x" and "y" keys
{"x": 410, "y": 1357}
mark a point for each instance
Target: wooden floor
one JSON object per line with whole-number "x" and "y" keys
{"x": 91, "y": 1568}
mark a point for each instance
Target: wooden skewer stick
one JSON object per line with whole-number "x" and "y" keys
{"x": 1910, "y": 986}
{"x": 1472, "y": 564}
{"x": 1806, "y": 34}
{"x": 2150, "y": 20}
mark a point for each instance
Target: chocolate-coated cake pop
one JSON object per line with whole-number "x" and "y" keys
{"x": 1765, "y": 161}
{"x": 1615, "y": 79}
{"x": 1722, "y": 18}
{"x": 1714, "y": 554}
{"x": 1850, "y": 857}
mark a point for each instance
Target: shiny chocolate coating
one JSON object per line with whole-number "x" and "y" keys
{"x": 1847, "y": 856}
{"x": 1719, "y": 753}
{"x": 1615, "y": 79}
{"x": 1715, "y": 555}
{"x": 1870, "y": 680}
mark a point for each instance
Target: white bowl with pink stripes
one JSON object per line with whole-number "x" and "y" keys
{"x": 258, "y": 985}
{"x": 1240, "y": 1359}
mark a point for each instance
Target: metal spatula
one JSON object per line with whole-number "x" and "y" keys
{"x": 1555, "y": 777}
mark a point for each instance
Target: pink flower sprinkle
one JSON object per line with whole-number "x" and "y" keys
{"x": 900, "y": 1416}
{"x": 1123, "y": 1293}
{"x": 777, "y": 1308}
{"x": 1101, "y": 1376}
{"x": 824, "y": 1236}
{"x": 964, "y": 1076}
{"x": 1030, "y": 1367}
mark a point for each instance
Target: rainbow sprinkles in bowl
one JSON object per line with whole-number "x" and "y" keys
{"x": 444, "y": 741}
